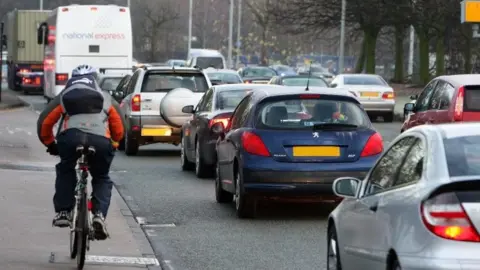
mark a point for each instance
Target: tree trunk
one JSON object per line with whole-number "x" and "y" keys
{"x": 263, "y": 52}
{"x": 467, "y": 49}
{"x": 424, "y": 51}
{"x": 370, "y": 36}
{"x": 440, "y": 55}
{"x": 399, "y": 54}
{"x": 361, "y": 59}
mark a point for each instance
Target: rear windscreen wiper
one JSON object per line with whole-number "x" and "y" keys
{"x": 333, "y": 126}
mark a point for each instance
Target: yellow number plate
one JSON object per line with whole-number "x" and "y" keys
{"x": 316, "y": 151}
{"x": 156, "y": 132}
{"x": 369, "y": 94}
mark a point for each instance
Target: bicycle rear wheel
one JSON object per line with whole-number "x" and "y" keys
{"x": 73, "y": 234}
{"x": 82, "y": 232}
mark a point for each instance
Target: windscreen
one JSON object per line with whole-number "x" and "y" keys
{"x": 319, "y": 69}
{"x": 229, "y": 99}
{"x": 463, "y": 155}
{"x": 472, "y": 98}
{"x": 363, "y": 80}
{"x": 224, "y": 77}
{"x": 258, "y": 72}
{"x": 164, "y": 82}
{"x": 206, "y": 62}
{"x": 296, "y": 113}
{"x": 303, "y": 82}
{"x": 110, "y": 84}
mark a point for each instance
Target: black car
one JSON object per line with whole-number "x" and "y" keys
{"x": 257, "y": 75}
{"x": 299, "y": 80}
{"x": 198, "y": 142}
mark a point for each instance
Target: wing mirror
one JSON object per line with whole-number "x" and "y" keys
{"x": 188, "y": 109}
{"x": 218, "y": 128}
{"x": 346, "y": 187}
{"x": 333, "y": 85}
{"x": 414, "y": 97}
{"x": 408, "y": 108}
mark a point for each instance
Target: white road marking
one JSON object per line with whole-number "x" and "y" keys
{"x": 168, "y": 263}
{"x": 9, "y": 130}
{"x": 151, "y": 233}
{"x": 168, "y": 225}
{"x": 121, "y": 260}
{"x": 141, "y": 220}
{"x": 37, "y": 112}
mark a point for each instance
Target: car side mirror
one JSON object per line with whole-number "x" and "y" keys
{"x": 188, "y": 109}
{"x": 414, "y": 97}
{"x": 218, "y": 129}
{"x": 346, "y": 187}
{"x": 409, "y": 107}
{"x": 333, "y": 85}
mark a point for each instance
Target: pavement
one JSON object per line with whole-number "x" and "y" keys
{"x": 28, "y": 240}
{"x": 189, "y": 230}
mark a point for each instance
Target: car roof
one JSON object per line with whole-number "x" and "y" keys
{"x": 208, "y": 70}
{"x": 450, "y": 130}
{"x": 300, "y": 76}
{"x": 107, "y": 76}
{"x": 244, "y": 86}
{"x": 359, "y": 75}
{"x": 281, "y": 90}
{"x": 169, "y": 68}
{"x": 461, "y": 79}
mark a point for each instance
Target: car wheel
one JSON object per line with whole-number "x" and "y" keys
{"x": 201, "y": 169}
{"x": 333, "y": 257}
{"x": 186, "y": 164}
{"x": 388, "y": 117}
{"x": 131, "y": 145}
{"x": 244, "y": 205}
{"x": 221, "y": 195}
{"x": 396, "y": 265}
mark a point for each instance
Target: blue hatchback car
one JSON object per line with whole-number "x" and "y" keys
{"x": 269, "y": 150}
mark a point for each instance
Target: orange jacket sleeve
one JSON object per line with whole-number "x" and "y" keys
{"x": 47, "y": 120}
{"x": 116, "y": 122}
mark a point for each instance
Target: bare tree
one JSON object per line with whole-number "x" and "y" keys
{"x": 263, "y": 19}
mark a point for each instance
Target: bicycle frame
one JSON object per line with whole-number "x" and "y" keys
{"x": 82, "y": 188}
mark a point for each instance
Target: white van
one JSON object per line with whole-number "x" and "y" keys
{"x": 205, "y": 58}
{"x": 96, "y": 35}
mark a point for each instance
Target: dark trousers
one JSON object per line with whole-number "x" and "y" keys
{"x": 99, "y": 167}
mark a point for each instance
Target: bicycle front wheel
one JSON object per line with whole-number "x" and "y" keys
{"x": 82, "y": 231}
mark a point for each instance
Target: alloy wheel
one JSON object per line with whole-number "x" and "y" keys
{"x": 197, "y": 158}
{"x": 182, "y": 153}
{"x": 236, "y": 197}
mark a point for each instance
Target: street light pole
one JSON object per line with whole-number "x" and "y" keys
{"x": 411, "y": 49}
{"x": 128, "y": 3}
{"x": 190, "y": 18}
{"x": 230, "y": 35}
{"x": 342, "y": 38}
{"x": 239, "y": 23}
{"x": 41, "y": 4}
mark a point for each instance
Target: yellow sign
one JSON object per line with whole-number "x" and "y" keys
{"x": 471, "y": 11}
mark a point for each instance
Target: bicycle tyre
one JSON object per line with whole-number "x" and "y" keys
{"x": 73, "y": 236}
{"x": 82, "y": 234}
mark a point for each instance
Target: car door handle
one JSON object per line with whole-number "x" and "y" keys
{"x": 147, "y": 99}
{"x": 373, "y": 207}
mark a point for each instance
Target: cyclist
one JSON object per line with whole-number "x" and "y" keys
{"x": 90, "y": 117}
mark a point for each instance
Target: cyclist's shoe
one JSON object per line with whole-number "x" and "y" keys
{"x": 99, "y": 227}
{"x": 62, "y": 219}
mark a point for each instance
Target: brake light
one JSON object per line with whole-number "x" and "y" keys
{"x": 254, "y": 145}
{"x": 388, "y": 95}
{"x": 24, "y": 70}
{"x": 213, "y": 121}
{"x": 122, "y": 10}
{"x": 64, "y": 9}
{"x": 26, "y": 80}
{"x": 247, "y": 82}
{"x": 445, "y": 217}
{"x": 458, "y": 113}
{"x": 93, "y": 9}
{"x": 374, "y": 146}
{"x": 61, "y": 78}
{"x": 136, "y": 102}
{"x": 310, "y": 96}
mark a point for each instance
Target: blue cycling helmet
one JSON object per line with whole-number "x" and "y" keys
{"x": 84, "y": 70}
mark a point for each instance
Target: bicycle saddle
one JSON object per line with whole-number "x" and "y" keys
{"x": 87, "y": 151}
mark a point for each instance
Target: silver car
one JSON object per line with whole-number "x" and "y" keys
{"x": 374, "y": 93}
{"x": 418, "y": 207}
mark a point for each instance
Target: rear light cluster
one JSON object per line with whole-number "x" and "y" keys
{"x": 388, "y": 95}
{"x": 458, "y": 113}
{"x": 61, "y": 78}
{"x": 374, "y": 146}
{"x": 136, "y": 103}
{"x": 445, "y": 217}
{"x": 222, "y": 118}
{"x": 253, "y": 144}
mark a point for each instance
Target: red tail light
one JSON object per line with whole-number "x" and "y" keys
{"x": 388, "y": 95}
{"x": 61, "y": 78}
{"x": 136, "y": 102}
{"x": 445, "y": 217}
{"x": 122, "y": 10}
{"x": 254, "y": 145}
{"x": 374, "y": 146}
{"x": 93, "y": 9}
{"x": 458, "y": 113}
{"x": 89, "y": 205}
{"x": 24, "y": 70}
{"x": 309, "y": 96}
{"x": 213, "y": 121}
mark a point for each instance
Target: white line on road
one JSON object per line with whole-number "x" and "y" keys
{"x": 121, "y": 260}
{"x": 168, "y": 225}
{"x": 168, "y": 263}
{"x": 151, "y": 233}
{"x": 141, "y": 220}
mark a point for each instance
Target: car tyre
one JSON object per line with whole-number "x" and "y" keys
{"x": 221, "y": 195}
{"x": 131, "y": 145}
{"x": 388, "y": 117}
{"x": 185, "y": 163}
{"x": 333, "y": 256}
{"x": 202, "y": 170}
{"x": 245, "y": 205}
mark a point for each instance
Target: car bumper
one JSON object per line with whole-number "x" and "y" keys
{"x": 421, "y": 263}
{"x": 299, "y": 179}
{"x": 378, "y": 106}
{"x": 209, "y": 152}
{"x": 150, "y": 123}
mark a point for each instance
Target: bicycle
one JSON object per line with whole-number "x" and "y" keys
{"x": 81, "y": 230}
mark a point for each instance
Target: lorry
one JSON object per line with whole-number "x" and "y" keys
{"x": 25, "y": 56}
